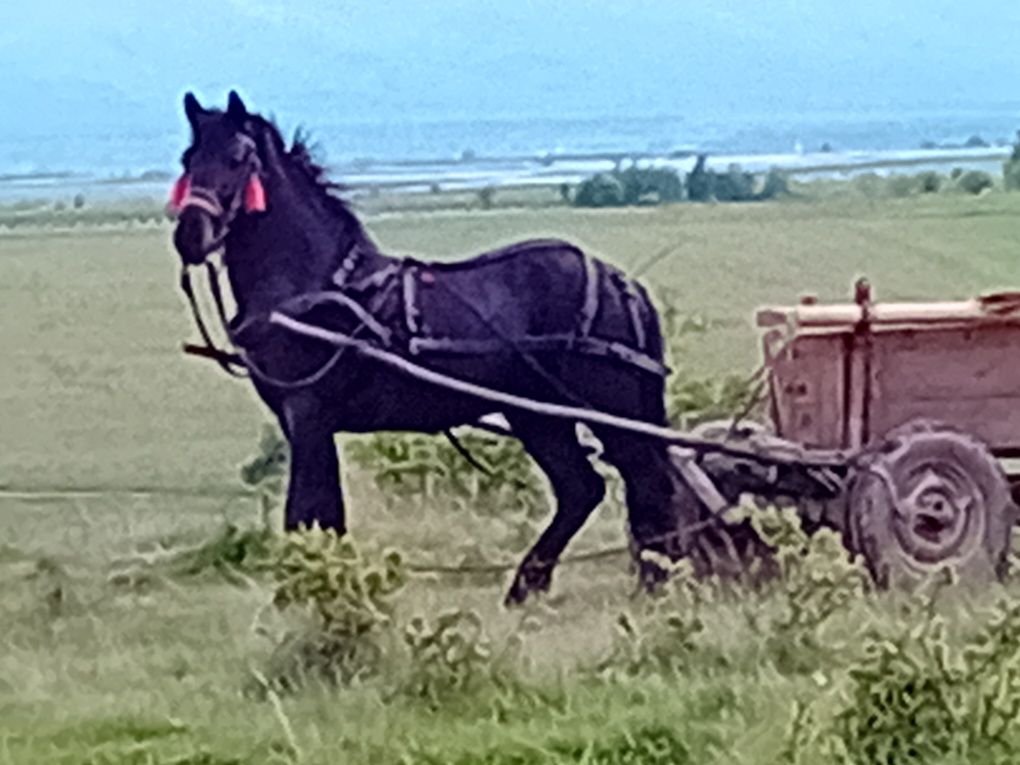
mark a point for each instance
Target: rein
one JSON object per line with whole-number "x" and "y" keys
{"x": 239, "y": 364}
{"x": 227, "y": 361}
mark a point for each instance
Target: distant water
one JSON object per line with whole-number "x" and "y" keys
{"x": 474, "y": 153}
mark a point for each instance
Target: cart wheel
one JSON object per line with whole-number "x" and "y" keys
{"x": 928, "y": 497}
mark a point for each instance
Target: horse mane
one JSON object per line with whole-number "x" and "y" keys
{"x": 302, "y": 156}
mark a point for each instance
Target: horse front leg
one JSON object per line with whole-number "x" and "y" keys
{"x": 314, "y": 494}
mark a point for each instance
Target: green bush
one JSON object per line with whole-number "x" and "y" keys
{"x": 486, "y": 197}
{"x": 1011, "y": 168}
{"x": 817, "y": 580}
{"x": 694, "y": 400}
{"x": 419, "y": 465}
{"x": 899, "y": 186}
{"x": 266, "y": 470}
{"x": 660, "y": 635}
{"x": 734, "y": 185}
{"x": 650, "y": 185}
{"x": 870, "y": 185}
{"x": 975, "y": 181}
{"x": 633, "y": 186}
{"x": 929, "y": 182}
{"x": 920, "y": 696}
{"x": 345, "y": 599}
{"x": 776, "y": 185}
{"x": 602, "y": 190}
{"x": 448, "y": 656}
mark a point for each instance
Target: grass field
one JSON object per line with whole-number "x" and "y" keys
{"x": 95, "y": 397}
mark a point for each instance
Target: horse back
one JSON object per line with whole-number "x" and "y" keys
{"x": 530, "y": 289}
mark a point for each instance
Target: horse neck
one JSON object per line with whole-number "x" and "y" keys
{"x": 296, "y": 247}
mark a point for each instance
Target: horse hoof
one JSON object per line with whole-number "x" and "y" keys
{"x": 530, "y": 579}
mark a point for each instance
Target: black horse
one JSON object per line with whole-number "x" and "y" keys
{"x": 538, "y": 319}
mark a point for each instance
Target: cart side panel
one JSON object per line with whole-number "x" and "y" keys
{"x": 967, "y": 377}
{"x": 808, "y": 389}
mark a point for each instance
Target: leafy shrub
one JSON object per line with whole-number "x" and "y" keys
{"x": 448, "y": 656}
{"x": 230, "y": 551}
{"x": 919, "y": 696}
{"x": 817, "y": 580}
{"x": 265, "y": 472}
{"x": 870, "y": 185}
{"x": 899, "y": 186}
{"x": 975, "y": 181}
{"x": 691, "y": 400}
{"x": 1011, "y": 167}
{"x": 345, "y": 598}
{"x": 929, "y": 182}
{"x": 602, "y": 190}
{"x": 776, "y": 185}
{"x": 418, "y": 465}
{"x": 633, "y": 186}
{"x": 651, "y": 185}
{"x": 734, "y": 185}
{"x": 660, "y": 636}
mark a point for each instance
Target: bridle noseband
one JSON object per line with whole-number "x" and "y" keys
{"x": 186, "y": 194}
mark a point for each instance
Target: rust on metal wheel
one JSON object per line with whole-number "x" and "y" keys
{"x": 928, "y": 497}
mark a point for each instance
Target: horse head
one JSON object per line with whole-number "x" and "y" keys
{"x": 221, "y": 179}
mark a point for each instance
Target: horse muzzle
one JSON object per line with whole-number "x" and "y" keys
{"x": 197, "y": 235}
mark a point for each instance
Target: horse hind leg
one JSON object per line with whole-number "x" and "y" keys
{"x": 663, "y": 513}
{"x": 578, "y": 489}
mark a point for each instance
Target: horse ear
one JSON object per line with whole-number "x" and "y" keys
{"x": 192, "y": 108}
{"x": 236, "y": 109}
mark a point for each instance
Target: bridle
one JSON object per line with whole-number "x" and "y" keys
{"x": 184, "y": 194}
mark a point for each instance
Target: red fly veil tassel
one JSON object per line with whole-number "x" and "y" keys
{"x": 179, "y": 193}
{"x": 254, "y": 195}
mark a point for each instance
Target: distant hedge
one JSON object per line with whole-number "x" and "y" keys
{"x": 659, "y": 185}
{"x": 633, "y": 186}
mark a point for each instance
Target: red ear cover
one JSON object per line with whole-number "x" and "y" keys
{"x": 179, "y": 192}
{"x": 254, "y": 195}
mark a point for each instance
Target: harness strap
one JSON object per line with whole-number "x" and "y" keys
{"x": 217, "y": 293}
{"x": 412, "y": 313}
{"x": 589, "y": 346}
{"x": 304, "y": 303}
{"x": 590, "y": 307}
{"x": 221, "y": 357}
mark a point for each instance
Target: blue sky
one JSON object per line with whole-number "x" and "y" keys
{"x": 116, "y": 64}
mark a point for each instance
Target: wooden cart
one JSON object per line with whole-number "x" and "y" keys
{"x": 925, "y": 398}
